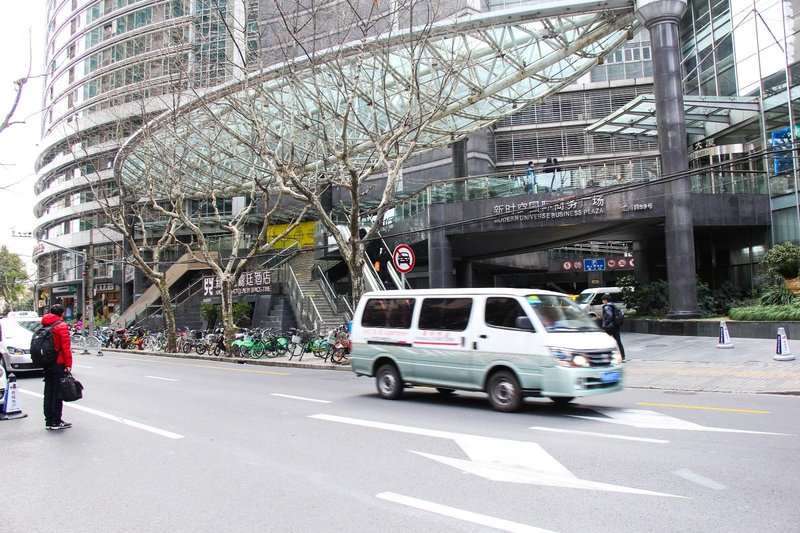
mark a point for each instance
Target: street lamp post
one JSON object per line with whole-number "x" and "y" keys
{"x": 88, "y": 272}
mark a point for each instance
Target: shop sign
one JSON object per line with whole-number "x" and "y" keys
{"x": 105, "y": 287}
{"x": 63, "y": 289}
{"x": 253, "y": 282}
{"x": 549, "y": 209}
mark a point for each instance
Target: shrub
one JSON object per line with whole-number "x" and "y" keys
{"x": 210, "y": 313}
{"x": 772, "y": 313}
{"x": 242, "y": 314}
{"x": 782, "y": 259}
{"x": 777, "y": 295}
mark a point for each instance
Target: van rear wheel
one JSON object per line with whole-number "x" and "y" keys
{"x": 504, "y": 392}
{"x": 388, "y": 381}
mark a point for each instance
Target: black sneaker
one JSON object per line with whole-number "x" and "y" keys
{"x": 60, "y": 425}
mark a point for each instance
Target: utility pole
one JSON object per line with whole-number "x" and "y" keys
{"x": 89, "y": 298}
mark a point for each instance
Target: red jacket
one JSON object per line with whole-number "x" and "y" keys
{"x": 61, "y": 339}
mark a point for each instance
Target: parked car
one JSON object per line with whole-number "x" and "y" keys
{"x": 3, "y": 387}
{"x": 591, "y": 300}
{"x": 16, "y": 330}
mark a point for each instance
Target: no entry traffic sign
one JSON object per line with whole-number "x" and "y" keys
{"x": 403, "y": 258}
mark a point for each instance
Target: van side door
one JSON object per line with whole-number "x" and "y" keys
{"x": 501, "y": 338}
{"x": 440, "y": 342}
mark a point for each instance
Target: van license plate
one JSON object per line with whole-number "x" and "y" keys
{"x": 608, "y": 377}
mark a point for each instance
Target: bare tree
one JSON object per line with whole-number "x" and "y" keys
{"x": 332, "y": 119}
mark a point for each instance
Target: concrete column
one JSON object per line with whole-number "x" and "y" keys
{"x": 440, "y": 253}
{"x": 661, "y": 18}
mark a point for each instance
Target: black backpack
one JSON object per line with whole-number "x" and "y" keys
{"x": 43, "y": 348}
{"x": 619, "y": 317}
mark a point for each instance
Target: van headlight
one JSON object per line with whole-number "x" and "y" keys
{"x": 616, "y": 358}
{"x": 569, "y": 358}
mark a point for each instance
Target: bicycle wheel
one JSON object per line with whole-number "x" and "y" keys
{"x": 339, "y": 356}
{"x": 93, "y": 343}
{"x": 78, "y": 341}
{"x": 201, "y": 348}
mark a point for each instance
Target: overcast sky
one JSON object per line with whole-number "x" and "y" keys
{"x": 21, "y": 28}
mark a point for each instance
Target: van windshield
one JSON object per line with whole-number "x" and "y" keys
{"x": 586, "y": 297}
{"x": 559, "y": 313}
{"x": 30, "y": 325}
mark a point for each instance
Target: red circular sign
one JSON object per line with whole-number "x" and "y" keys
{"x": 567, "y": 265}
{"x": 612, "y": 263}
{"x": 403, "y": 258}
{"x": 630, "y": 261}
{"x": 577, "y": 265}
{"x": 623, "y": 263}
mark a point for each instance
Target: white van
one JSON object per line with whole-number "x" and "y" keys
{"x": 591, "y": 300}
{"x": 510, "y": 343}
{"x": 16, "y": 330}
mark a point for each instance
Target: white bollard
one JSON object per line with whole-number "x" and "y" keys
{"x": 782, "y": 351}
{"x": 12, "y": 408}
{"x": 724, "y": 336}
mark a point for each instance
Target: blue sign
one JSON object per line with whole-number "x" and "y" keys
{"x": 594, "y": 264}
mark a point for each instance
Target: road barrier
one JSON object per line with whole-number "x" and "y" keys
{"x": 782, "y": 351}
{"x": 12, "y": 407}
{"x": 724, "y": 336}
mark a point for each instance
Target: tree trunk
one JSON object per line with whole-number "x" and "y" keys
{"x": 169, "y": 316}
{"x": 356, "y": 265}
{"x": 226, "y": 292}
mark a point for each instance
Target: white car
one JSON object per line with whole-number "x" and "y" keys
{"x": 16, "y": 330}
{"x": 3, "y": 387}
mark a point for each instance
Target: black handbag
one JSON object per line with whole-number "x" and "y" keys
{"x": 70, "y": 388}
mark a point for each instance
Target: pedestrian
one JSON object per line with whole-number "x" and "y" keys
{"x": 609, "y": 324}
{"x": 530, "y": 178}
{"x": 53, "y": 373}
{"x": 383, "y": 272}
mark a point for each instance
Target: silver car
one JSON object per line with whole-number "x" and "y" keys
{"x": 16, "y": 331}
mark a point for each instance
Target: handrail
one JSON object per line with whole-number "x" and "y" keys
{"x": 303, "y": 306}
{"x": 333, "y": 299}
{"x": 284, "y": 255}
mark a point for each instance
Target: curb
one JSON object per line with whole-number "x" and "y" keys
{"x": 238, "y": 360}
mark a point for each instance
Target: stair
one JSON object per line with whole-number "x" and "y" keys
{"x": 152, "y": 294}
{"x": 303, "y": 265}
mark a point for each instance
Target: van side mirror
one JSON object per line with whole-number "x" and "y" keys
{"x": 523, "y": 322}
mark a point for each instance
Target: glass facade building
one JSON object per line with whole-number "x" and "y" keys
{"x": 110, "y": 65}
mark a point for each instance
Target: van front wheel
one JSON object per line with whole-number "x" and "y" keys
{"x": 504, "y": 392}
{"x": 388, "y": 381}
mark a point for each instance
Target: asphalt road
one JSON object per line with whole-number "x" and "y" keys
{"x": 163, "y": 444}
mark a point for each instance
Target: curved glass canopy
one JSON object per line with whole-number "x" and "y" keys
{"x": 413, "y": 89}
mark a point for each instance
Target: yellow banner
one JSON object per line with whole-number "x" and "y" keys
{"x": 302, "y": 234}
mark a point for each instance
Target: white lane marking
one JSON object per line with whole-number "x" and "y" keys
{"x": 164, "y": 379}
{"x": 460, "y": 514}
{"x": 115, "y": 418}
{"x": 643, "y": 418}
{"x": 81, "y": 366}
{"x": 606, "y": 435}
{"x": 495, "y": 459}
{"x": 685, "y": 473}
{"x": 300, "y": 398}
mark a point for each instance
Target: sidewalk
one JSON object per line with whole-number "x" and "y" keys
{"x": 654, "y": 362}
{"x": 696, "y": 364}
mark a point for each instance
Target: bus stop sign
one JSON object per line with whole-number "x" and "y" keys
{"x": 403, "y": 258}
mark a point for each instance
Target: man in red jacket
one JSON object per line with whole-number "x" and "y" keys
{"x": 53, "y": 373}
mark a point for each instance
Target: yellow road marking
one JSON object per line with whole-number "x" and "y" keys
{"x": 248, "y": 370}
{"x": 728, "y": 409}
